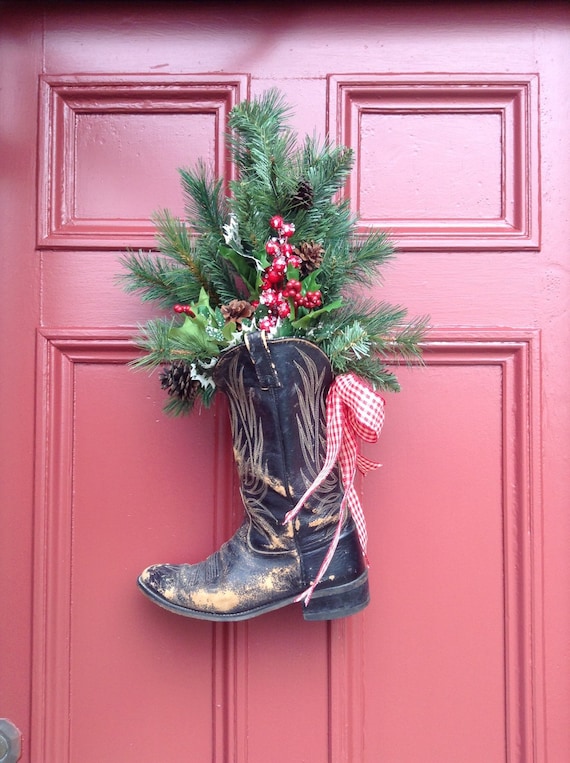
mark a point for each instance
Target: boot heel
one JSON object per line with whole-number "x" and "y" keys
{"x": 344, "y": 600}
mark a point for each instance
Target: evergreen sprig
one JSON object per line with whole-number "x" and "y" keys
{"x": 204, "y": 200}
{"x": 365, "y": 335}
{"x": 149, "y": 275}
{"x": 155, "y": 339}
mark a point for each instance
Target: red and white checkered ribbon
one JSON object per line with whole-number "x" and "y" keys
{"x": 353, "y": 411}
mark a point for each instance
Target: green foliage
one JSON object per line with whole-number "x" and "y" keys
{"x": 217, "y": 255}
{"x": 174, "y": 406}
{"x": 152, "y": 276}
{"x": 196, "y": 338}
{"x": 363, "y": 337}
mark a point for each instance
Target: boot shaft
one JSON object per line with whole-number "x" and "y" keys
{"x": 277, "y": 397}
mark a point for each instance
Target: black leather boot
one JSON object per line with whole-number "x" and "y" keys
{"x": 277, "y": 397}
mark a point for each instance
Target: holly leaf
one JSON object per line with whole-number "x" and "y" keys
{"x": 302, "y": 323}
{"x": 286, "y": 328}
{"x": 229, "y": 330}
{"x": 192, "y": 334}
{"x": 246, "y": 265}
{"x": 293, "y": 274}
{"x": 311, "y": 281}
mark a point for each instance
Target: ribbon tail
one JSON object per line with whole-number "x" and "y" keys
{"x": 320, "y": 478}
{"x": 333, "y": 447}
{"x": 366, "y": 465}
{"x": 306, "y": 595}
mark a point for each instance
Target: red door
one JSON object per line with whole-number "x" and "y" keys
{"x": 459, "y": 118}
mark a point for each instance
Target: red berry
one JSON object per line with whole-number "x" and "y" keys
{"x": 272, "y": 247}
{"x": 268, "y": 297}
{"x": 287, "y": 230}
{"x": 276, "y": 222}
{"x": 267, "y": 323}
{"x": 184, "y": 309}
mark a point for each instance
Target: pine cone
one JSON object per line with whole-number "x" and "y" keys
{"x": 177, "y": 381}
{"x": 236, "y": 311}
{"x": 304, "y": 195}
{"x": 311, "y": 255}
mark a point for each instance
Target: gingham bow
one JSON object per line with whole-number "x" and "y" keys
{"x": 353, "y": 410}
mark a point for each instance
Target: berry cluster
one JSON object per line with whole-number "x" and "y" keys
{"x": 280, "y": 294}
{"x": 184, "y": 309}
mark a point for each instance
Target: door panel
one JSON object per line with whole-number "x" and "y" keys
{"x": 458, "y": 119}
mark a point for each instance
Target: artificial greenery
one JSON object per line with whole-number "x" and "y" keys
{"x": 214, "y": 270}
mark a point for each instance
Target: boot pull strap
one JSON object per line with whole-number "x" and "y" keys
{"x": 260, "y": 355}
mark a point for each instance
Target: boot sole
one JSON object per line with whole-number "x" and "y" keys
{"x": 341, "y": 601}
{"x": 325, "y": 604}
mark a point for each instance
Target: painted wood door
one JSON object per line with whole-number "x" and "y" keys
{"x": 459, "y": 117}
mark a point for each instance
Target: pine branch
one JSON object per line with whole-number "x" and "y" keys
{"x": 261, "y": 139}
{"x": 163, "y": 342}
{"x": 206, "y": 209}
{"x": 358, "y": 337}
{"x": 379, "y": 318}
{"x": 345, "y": 344}
{"x": 391, "y": 333}
{"x": 172, "y": 238}
{"x": 367, "y": 257}
{"x": 351, "y": 350}
{"x": 349, "y": 261}
{"x": 155, "y": 339}
{"x": 174, "y": 242}
{"x": 263, "y": 148}
{"x": 192, "y": 347}
{"x": 175, "y": 406}
{"x": 326, "y": 167}
{"x": 204, "y": 201}
{"x": 150, "y": 275}
{"x": 375, "y": 373}
{"x": 224, "y": 285}
{"x": 407, "y": 342}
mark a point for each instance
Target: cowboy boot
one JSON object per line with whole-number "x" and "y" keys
{"x": 277, "y": 400}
